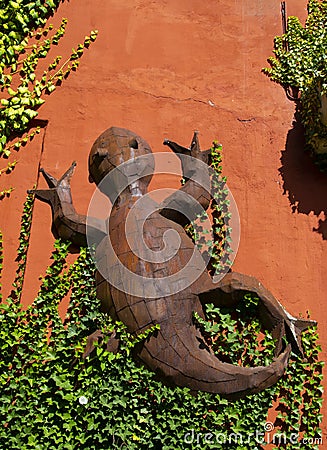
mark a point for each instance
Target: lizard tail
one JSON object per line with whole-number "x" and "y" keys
{"x": 183, "y": 358}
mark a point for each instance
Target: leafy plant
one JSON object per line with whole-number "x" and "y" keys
{"x": 300, "y": 67}
{"x": 53, "y": 398}
{"x": 216, "y": 242}
{"x": 24, "y": 42}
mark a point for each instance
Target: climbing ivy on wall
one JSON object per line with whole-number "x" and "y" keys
{"x": 216, "y": 242}
{"x": 50, "y": 397}
{"x": 24, "y": 42}
{"x": 300, "y": 66}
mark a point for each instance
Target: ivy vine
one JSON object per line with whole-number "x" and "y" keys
{"x": 299, "y": 65}
{"x": 216, "y": 242}
{"x": 23, "y": 43}
{"x": 50, "y": 397}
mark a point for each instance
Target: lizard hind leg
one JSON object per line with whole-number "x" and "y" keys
{"x": 96, "y": 338}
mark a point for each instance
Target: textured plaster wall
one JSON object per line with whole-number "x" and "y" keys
{"x": 164, "y": 69}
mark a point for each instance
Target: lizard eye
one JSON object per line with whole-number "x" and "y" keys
{"x": 100, "y": 155}
{"x": 133, "y": 143}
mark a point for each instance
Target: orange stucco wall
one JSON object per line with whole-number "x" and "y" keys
{"x": 164, "y": 69}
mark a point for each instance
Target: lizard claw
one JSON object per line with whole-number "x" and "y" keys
{"x": 65, "y": 179}
{"x": 46, "y": 195}
{"x": 176, "y": 148}
{"x": 193, "y": 150}
{"x": 52, "y": 182}
{"x": 189, "y": 165}
{"x": 56, "y": 186}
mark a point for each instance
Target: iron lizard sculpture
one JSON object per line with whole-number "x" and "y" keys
{"x": 177, "y": 351}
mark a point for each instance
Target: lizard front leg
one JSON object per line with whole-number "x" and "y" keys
{"x": 67, "y": 224}
{"x": 184, "y": 205}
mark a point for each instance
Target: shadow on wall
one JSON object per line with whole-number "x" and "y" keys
{"x": 303, "y": 183}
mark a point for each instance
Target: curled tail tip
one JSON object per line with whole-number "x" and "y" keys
{"x": 303, "y": 324}
{"x": 295, "y": 328}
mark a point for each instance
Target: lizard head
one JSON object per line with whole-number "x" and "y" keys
{"x": 120, "y": 147}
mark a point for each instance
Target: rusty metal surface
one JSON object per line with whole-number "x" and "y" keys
{"x": 177, "y": 351}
